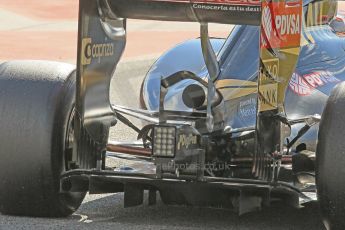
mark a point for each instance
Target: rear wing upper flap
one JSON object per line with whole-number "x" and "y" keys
{"x": 239, "y": 12}
{"x": 214, "y": 11}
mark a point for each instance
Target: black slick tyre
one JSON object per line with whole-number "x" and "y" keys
{"x": 330, "y": 161}
{"x": 36, "y": 103}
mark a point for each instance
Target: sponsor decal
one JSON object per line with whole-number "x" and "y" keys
{"x": 280, "y": 35}
{"x": 267, "y": 22}
{"x": 299, "y": 85}
{"x": 272, "y": 68}
{"x": 92, "y": 51}
{"x": 268, "y": 86}
{"x": 304, "y": 85}
{"x": 281, "y": 24}
{"x": 288, "y": 24}
{"x": 227, "y": 5}
{"x": 186, "y": 140}
{"x": 268, "y": 97}
{"x": 247, "y": 107}
{"x": 240, "y": 8}
{"x": 230, "y": 2}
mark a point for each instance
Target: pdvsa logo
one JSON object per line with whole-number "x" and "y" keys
{"x": 281, "y": 24}
{"x": 298, "y": 85}
{"x": 95, "y": 50}
{"x": 304, "y": 85}
{"x": 267, "y": 22}
{"x": 288, "y": 24}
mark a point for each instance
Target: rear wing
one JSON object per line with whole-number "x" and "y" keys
{"x": 214, "y": 11}
{"x": 102, "y": 39}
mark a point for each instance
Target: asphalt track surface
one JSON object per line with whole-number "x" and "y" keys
{"x": 36, "y": 29}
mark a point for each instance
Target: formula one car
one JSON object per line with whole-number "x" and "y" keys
{"x": 235, "y": 123}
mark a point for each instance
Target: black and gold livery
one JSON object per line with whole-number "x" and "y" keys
{"x": 230, "y": 123}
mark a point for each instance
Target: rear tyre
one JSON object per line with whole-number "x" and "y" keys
{"x": 36, "y": 104}
{"x": 330, "y": 161}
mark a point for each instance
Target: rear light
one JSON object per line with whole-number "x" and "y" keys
{"x": 164, "y": 141}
